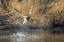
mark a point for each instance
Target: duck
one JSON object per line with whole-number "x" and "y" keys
{"x": 27, "y": 17}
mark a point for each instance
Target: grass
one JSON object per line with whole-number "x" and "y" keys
{"x": 47, "y": 13}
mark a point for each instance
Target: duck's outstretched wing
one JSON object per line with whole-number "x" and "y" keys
{"x": 18, "y": 12}
{"x": 30, "y": 10}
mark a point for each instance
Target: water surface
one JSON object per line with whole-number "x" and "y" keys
{"x": 31, "y": 35}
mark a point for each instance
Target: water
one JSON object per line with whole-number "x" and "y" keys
{"x": 31, "y": 35}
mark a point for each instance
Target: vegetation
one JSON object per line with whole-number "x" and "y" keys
{"x": 47, "y": 13}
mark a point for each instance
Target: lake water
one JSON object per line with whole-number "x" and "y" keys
{"x": 31, "y": 35}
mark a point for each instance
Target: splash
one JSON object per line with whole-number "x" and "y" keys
{"x": 20, "y": 35}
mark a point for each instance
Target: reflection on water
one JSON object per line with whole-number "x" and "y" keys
{"x": 38, "y": 35}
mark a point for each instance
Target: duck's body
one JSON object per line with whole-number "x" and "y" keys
{"x": 26, "y": 18}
